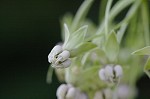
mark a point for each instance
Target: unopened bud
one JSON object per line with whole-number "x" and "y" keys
{"x": 61, "y": 91}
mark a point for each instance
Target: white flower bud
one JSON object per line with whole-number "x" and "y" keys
{"x": 98, "y": 95}
{"x": 62, "y": 57}
{"x": 108, "y": 93}
{"x": 82, "y": 96}
{"x": 54, "y": 52}
{"x": 71, "y": 94}
{"x": 61, "y": 91}
{"x": 118, "y": 71}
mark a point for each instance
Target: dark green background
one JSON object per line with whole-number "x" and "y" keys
{"x": 28, "y": 31}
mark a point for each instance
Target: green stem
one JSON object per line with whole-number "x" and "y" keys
{"x": 109, "y": 3}
{"x": 116, "y": 9}
{"x": 129, "y": 15}
{"x": 81, "y": 13}
{"x": 102, "y": 9}
{"x": 145, "y": 20}
{"x": 121, "y": 32}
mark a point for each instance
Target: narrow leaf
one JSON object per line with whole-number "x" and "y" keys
{"x": 143, "y": 51}
{"x": 49, "y": 75}
{"x": 147, "y": 67}
{"x": 112, "y": 47}
{"x": 75, "y": 38}
{"x": 81, "y": 13}
{"x": 82, "y": 48}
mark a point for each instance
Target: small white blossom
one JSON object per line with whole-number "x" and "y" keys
{"x": 59, "y": 57}
{"x": 111, "y": 73}
{"x": 61, "y": 91}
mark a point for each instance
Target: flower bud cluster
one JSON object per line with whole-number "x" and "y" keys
{"x": 111, "y": 74}
{"x": 67, "y": 91}
{"x": 59, "y": 57}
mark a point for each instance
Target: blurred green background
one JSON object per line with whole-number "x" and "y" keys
{"x": 28, "y": 31}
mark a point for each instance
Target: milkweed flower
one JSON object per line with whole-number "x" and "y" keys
{"x": 111, "y": 74}
{"x": 104, "y": 94}
{"x": 59, "y": 58}
{"x": 67, "y": 91}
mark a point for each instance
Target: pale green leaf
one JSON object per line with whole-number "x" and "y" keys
{"x": 49, "y": 75}
{"x": 112, "y": 47}
{"x": 143, "y": 51}
{"x": 75, "y": 38}
{"x": 82, "y": 48}
{"x": 67, "y": 19}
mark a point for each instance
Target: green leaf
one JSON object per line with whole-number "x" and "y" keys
{"x": 145, "y": 20}
{"x": 82, "y": 48}
{"x": 112, "y": 47}
{"x": 75, "y": 38}
{"x": 106, "y": 21}
{"x": 143, "y": 51}
{"x": 49, "y": 75}
{"x": 118, "y": 7}
{"x": 147, "y": 67}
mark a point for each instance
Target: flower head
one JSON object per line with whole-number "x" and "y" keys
{"x": 111, "y": 73}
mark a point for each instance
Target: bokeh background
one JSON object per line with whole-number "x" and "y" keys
{"x": 28, "y": 31}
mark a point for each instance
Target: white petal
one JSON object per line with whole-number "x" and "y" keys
{"x": 108, "y": 93}
{"x": 56, "y": 50}
{"x": 123, "y": 91}
{"x": 102, "y": 74}
{"x": 61, "y": 91}
{"x": 118, "y": 71}
{"x": 82, "y": 96}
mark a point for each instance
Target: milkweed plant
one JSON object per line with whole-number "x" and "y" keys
{"x": 102, "y": 61}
